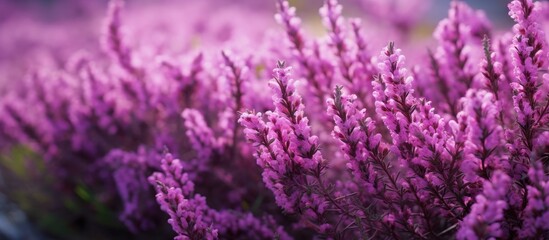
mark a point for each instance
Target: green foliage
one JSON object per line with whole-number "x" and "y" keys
{"x": 57, "y": 211}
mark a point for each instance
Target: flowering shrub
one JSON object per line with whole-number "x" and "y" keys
{"x": 348, "y": 143}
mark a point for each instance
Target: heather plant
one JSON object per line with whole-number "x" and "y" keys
{"x": 297, "y": 136}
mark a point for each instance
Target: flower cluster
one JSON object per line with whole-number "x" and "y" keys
{"x": 288, "y": 151}
{"x": 338, "y": 141}
{"x": 486, "y": 216}
{"x": 192, "y": 218}
{"x": 455, "y": 68}
{"x": 484, "y": 135}
{"x": 528, "y": 55}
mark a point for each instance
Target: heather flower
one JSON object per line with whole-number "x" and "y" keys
{"x": 536, "y": 213}
{"x": 503, "y": 56}
{"x": 403, "y": 151}
{"x": 235, "y": 76}
{"x": 353, "y": 61}
{"x": 315, "y": 71}
{"x": 292, "y": 24}
{"x": 187, "y": 216}
{"x": 394, "y": 101}
{"x": 430, "y": 156}
{"x": 88, "y": 119}
{"x": 131, "y": 182}
{"x": 495, "y": 80}
{"x": 367, "y": 158}
{"x": 487, "y": 214}
{"x": 286, "y": 147}
{"x": 289, "y": 114}
{"x": 396, "y": 105}
{"x": 457, "y": 36}
{"x": 484, "y": 135}
{"x": 114, "y": 39}
{"x": 293, "y": 167}
{"x": 173, "y": 175}
{"x": 186, "y": 83}
{"x": 201, "y": 139}
{"x": 364, "y": 68}
{"x": 192, "y": 218}
{"x": 351, "y": 127}
{"x": 334, "y": 22}
{"x": 233, "y": 224}
{"x": 529, "y": 55}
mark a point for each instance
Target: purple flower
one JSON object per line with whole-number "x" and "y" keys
{"x": 404, "y": 151}
{"x": 495, "y": 71}
{"x": 317, "y": 71}
{"x": 234, "y": 76}
{"x": 358, "y": 141}
{"x": 114, "y": 39}
{"x": 529, "y": 54}
{"x": 484, "y": 135}
{"x": 131, "y": 182}
{"x": 393, "y": 99}
{"x": 456, "y": 66}
{"x": 201, "y": 140}
{"x": 536, "y": 213}
{"x": 187, "y": 216}
{"x": 334, "y": 22}
{"x": 287, "y": 151}
{"x": 192, "y": 218}
{"x": 487, "y": 214}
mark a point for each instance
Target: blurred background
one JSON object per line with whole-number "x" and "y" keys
{"x": 30, "y": 28}
{"x": 58, "y": 9}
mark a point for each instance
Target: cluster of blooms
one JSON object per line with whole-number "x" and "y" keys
{"x": 104, "y": 121}
{"x": 456, "y": 147}
{"x": 484, "y": 220}
{"x": 190, "y": 216}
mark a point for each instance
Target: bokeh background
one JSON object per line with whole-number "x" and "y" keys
{"x": 30, "y": 28}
